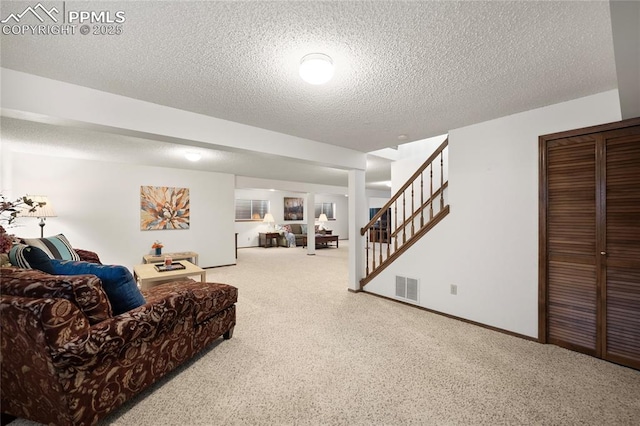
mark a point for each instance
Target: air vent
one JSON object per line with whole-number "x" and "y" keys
{"x": 412, "y": 289}
{"x": 407, "y": 288}
{"x": 401, "y": 287}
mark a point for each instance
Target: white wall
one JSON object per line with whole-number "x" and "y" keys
{"x": 410, "y": 157}
{"x": 98, "y": 207}
{"x": 376, "y": 202}
{"x": 488, "y": 244}
{"x": 248, "y": 231}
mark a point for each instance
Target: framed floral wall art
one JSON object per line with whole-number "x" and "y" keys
{"x": 163, "y": 207}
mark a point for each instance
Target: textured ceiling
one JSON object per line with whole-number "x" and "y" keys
{"x": 416, "y": 68}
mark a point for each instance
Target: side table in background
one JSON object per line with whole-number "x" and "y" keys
{"x": 268, "y": 237}
{"x": 191, "y": 256}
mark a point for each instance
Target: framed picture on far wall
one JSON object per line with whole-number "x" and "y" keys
{"x": 293, "y": 208}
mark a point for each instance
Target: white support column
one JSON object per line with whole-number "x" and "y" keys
{"x": 311, "y": 221}
{"x": 357, "y": 219}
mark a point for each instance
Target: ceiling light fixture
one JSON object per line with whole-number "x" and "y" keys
{"x": 316, "y": 68}
{"x": 192, "y": 156}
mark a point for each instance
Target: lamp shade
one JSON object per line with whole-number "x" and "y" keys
{"x": 323, "y": 218}
{"x": 268, "y": 218}
{"x": 45, "y": 211}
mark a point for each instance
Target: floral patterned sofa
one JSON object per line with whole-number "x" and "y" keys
{"x": 67, "y": 360}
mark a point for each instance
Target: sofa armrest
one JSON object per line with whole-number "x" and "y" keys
{"x": 49, "y": 322}
{"x": 88, "y": 256}
{"x": 85, "y": 291}
{"x": 31, "y": 330}
{"x": 109, "y": 338}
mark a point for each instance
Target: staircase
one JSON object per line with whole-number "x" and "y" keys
{"x": 412, "y": 211}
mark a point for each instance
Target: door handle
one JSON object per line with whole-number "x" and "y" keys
{"x": 603, "y": 253}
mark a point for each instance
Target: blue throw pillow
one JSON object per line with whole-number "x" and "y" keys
{"x": 29, "y": 257}
{"x": 117, "y": 282}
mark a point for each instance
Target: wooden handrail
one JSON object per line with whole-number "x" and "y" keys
{"x": 405, "y": 186}
{"x": 387, "y": 234}
{"x": 419, "y": 209}
{"x": 436, "y": 218}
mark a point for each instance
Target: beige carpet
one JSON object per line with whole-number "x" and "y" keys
{"x": 307, "y": 352}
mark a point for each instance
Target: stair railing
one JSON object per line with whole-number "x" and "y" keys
{"x": 388, "y": 235}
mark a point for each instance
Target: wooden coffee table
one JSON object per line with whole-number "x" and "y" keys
{"x": 322, "y": 240}
{"x": 147, "y": 274}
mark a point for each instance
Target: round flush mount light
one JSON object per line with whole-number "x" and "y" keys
{"x": 316, "y": 68}
{"x": 192, "y": 156}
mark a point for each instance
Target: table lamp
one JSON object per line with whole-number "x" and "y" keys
{"x": 322, "y": 219}
{"x": 42, "y": 212}
{"x": 268, "y": 218}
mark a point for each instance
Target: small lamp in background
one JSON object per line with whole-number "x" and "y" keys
{"x": 322, "y": 219}
{"x": 268, "y": 218}
{"x": 42, "y": 212}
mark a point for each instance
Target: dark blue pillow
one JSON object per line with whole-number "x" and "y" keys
{"x": 29, "y": 257}
{"x": 117, "y": 282}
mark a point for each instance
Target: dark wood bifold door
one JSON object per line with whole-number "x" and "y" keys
{"x": 590, "y": 241}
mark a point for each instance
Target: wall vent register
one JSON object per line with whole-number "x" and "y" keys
{"x": 407, "y": 288}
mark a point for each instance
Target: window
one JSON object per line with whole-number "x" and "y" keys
{"x": 251, "y": 209}
{"x": 326, "y": 208}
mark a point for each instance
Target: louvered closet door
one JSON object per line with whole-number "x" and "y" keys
{"x": 572, "y": 273}
{"x": 622, "y": 252}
